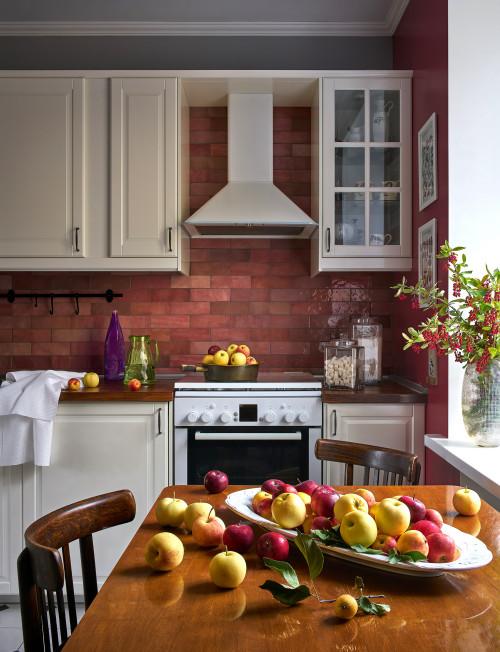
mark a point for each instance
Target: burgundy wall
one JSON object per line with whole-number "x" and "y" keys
{"x": 421, "y": 45}
{"x": 254, "y": 291}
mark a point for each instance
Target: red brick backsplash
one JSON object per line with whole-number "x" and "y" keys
{"x": 257, "y": 291}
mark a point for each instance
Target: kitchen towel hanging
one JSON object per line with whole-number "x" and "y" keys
{"x": 28, "y": 405}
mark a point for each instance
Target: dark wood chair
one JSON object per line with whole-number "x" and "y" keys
{"x": 395, "y": 467}
{"x": 42, "y": 571}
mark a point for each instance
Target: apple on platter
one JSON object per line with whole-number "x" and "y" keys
{"x": 273, "y": 486}
{"x": 208, "y": 530}
{"x": 442, "y": 548}
{"x": 170, "y": 511}
{"x": 262, "y": 504}
{"x": 289, "y": 489}
{"x": 323, "y": 500}
{"x": 367, "y": 495}
{"x": 426, "y": 527}
{"x": 434, "y": 516}
{"x": 412, "y": 541}
{"x": 358, "y": 527}
{"x": 306, "y": 498}
{"x": 238, "y": 359}
{"x": 239, "y": 537}
{"x": 288, "y": 510}
{"x": 221, "y": 357}
{"x": 164, "y": 551}
{"x": 227, "y": 569}
{"x": 243, "y": 348}
{"x": 348, "y": 503}
{"x": 193, "y": 511}
{"x": 392, "y": 517}
{"x": 232, "y": 348}
{"x": 467, "y": 502}
{"x": 273, "y": 545}
{"x": 215, "y": 481}
{"x": 384, "y": 543}
{"x": 416, "y": 507}
{"x": 307, "y": 487}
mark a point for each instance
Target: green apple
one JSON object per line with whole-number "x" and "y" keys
{"x": 193, "y": 511}
{"x": 348, "y": 503}
{"x": 288, "y": 510}
{"x": 164, "y": 551}
{"x": 392, "y": 516}
{"x": 227, "y": 569}
{"x": 170, "y": 511}
{"x": 358, "y": 527}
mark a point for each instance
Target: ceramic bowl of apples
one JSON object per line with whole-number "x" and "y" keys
{"x": 236, "y": 355}
{"x": 399, "y": 533}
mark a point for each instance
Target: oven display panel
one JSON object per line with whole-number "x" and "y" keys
{"x": 248, "y": 413}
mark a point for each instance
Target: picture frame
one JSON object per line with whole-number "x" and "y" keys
{"x": 427, "y": 163}
{"x": 427, "y": 255}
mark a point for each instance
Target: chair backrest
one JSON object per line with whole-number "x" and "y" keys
{"x": 42, "y": 572}
{"x": 395, "y": 467}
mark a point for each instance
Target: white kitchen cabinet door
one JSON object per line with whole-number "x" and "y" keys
{"x": 11, "y": 527}
{"x": 395, "y": 426}
{"x": 143, "y": 167}
{"x": 101, "y": 447}
{"x": 42, "y": 167}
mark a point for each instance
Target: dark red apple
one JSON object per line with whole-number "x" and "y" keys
{"x": 434, "y": 516}
{"x": 426, "y": 527}
{"x": 321, "y": 523}
{"x": 416, "y": 507}
{"x": 215, "y": 481}
{"x": 323, "y": 500}
{"x": 238, "y": 537}
{"x": 273, "y": 545}
{"x": 307, "y": 486}
{"x": 273, "y": 486}
{"x": 213, "y": 349}
{"x": 442, "y": 548}
{"x": 289, "y": 489}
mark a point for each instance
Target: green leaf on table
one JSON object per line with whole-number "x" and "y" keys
{"x": 285, "y": 594}
{"x": 330, "y": 537}
{"x": 285, "y": 569}
{"x": 375, "y": 608}
{"x": 311, "y": 553}
{"x": 394, "y": 556}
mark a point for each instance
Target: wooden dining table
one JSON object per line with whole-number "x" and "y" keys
{"x": 139, "y": 610}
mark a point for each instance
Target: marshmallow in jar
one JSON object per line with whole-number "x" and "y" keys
{"x": 344, "y": 364}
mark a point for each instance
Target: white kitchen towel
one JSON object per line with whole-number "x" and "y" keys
{"x": 28, "y": 405}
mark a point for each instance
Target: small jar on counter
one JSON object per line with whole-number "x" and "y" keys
{"x": 368, "y": 333}
{"x": 343, "y": 364}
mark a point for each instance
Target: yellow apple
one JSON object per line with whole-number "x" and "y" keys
{"x": 358, "y": 527}
{"x": 367, "y": 495}
{"x": 372, "y": 510}
{"x": 170, "y": 511}
{"x": 91, "y": 379}
{"x": 221, "y": 357}
{"x": 231, "y": 349}
{"x": 348, "y": 503}
{"x": 227, "y": 569}
{"x": 345, "y": 607}
{"x": 208, "y": 530}
{"x": 306, "y": 498}
{"x": 392, "y": 516}
{"x": 238, "y": 359}
{"x": 466, "y": 502}
{"x": 207, "y": 359}
{"x": 412, "y": 541}
{"x": 288, "y": 510}
{"x": 193, "y": 511}
{"x": 164, "y": 551}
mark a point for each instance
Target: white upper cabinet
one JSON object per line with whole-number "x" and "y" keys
{"x": 42, "y": 167}
{"x": 143, "y": 167}
{"x": 366, "y": 174}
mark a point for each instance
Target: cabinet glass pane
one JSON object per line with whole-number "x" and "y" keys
{"x": 349, "y": 218}
{"x": 349, "y": 116}
{"x": 350, "y": 167}
{"x": 384, "y": 218}
{"x": 384, "y": 167}
{"x": 384, "y": 116}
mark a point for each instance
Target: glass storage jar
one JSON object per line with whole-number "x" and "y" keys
{"x": 368, "y": 333}
{"x": 343, "y": 365}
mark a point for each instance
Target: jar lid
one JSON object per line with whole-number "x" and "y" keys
{"x": 364, "y": 320}
{"x": 344, "y": 344}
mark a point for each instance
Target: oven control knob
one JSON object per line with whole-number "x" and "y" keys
{"x": 192, "y": 416}
{"x": 226, "y": 417}
{"x": 207, "y": 417}
{"x": 270, "y": 416}
{"x": 289, "y": 417}
{"x": 303, "y": 416}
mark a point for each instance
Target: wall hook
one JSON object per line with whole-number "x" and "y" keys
{"x": 51, "y": 311}
{"x": 77, "y": 305}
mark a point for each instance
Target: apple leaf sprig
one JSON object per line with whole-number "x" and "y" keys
{"x": 410, "y": 557}
{"x": 367, "y": 605}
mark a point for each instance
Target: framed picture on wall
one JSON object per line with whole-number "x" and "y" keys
{"x": 427, "y": 255}
{"x": 427, "y": 163}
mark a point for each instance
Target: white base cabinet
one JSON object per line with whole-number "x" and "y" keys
{"x": 399, "y": 426}
{"x": 97, "y": 447}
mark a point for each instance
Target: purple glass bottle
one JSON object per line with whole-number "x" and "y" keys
{"x": 114, "y": 350}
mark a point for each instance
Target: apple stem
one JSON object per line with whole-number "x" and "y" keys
{"x": 227, "y": 551}
{"x": 209, "y": 514}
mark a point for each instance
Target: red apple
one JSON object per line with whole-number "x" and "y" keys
{"x": 321, "y": 523}
{"x": 212, "y": 350}
{"x": 307, "y": 486}
{"x": 134, "y": 385}
{"x": 251, "y": 360}
{"x": 215, "y": 481}
{"x": 367, "y": 495}
{"x": 385, "y": 543}
{"x": 208, "y": 530}
{"x": 264, "y": 508}
{"x": 273, "y": 486}
{"x": 288, "y": 489}
{"x": 273, "y": 545}
{"x": 416, "y": 507}
{"x": 243, "y": 348}
{"x": 74, "y": 384}
{"x": 238, "y": 537}
{"x": 434, "y": 516}
{"x": 425, "y": 526}
{"x": 442, "y": 548}
{"x": 323, "y": 500}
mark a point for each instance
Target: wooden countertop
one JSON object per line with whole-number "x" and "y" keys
{"x": 138, "y": 609}
{"x": 389, "y": 391}
{"x": 161, "y": 392}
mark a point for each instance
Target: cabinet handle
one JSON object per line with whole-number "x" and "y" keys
{"x": 328, "y": 243}
{"x": 170, "y": 238}
{"x": 334, "y": 433}
{"x": 77, "y": 234}
{"x": 159, "y": 423}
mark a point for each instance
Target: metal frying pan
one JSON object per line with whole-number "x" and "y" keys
{"x": 216, "y": 373}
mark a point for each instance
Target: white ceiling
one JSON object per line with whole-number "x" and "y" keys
{"x": 208, "y": 17}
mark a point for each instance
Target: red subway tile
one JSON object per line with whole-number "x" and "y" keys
{"x": 250, "y": 294}
{"x": 86, "y": 348}
{"x": 5, "y": 282}
{"x": 158, "y": 308}
{"x": 299, "y": 348}
{"x": 179, "y": 281}
{"x": 142, "y": 280}
{"x": 306, "y": 308}
{"x": 291, "y": 295}
{"x": 170, "y": 294}
{"x": 230, "y": 281}
{"x": 212, "y": 321}
{"x": 136, "y": 321}
{"x": 331, "y": 294}
{"x": 201, "y": 137}
{"x": 170, "y": 321}
{"x": 53, "y": 321}
{"x": 190, "y": 308}
{"x": 197, "y": 150}
{"x": 229, "y": 308}
{"x": 6, "y": 335}
{"x": 31, "y": 362}
{"x": 222, "y": 294}
{"x": 190, "y": 334}
{"x": 71, "y": 335}
{"x": 50, "y": 348}
{"x": 219, "y": 148}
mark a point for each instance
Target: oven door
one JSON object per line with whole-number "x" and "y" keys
{"x": 248, "y": 455}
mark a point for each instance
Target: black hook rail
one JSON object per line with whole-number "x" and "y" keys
{"x": 109, "y": 295}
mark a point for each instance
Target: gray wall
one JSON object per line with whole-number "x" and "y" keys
{"x": 192, "y": 52}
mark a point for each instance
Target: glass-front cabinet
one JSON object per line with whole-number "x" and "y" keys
{"x": 366, "y": 173}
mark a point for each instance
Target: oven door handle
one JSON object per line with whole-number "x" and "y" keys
{"x": 247, "y": 436}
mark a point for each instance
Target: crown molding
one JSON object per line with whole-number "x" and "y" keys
{"x": 395, "y": 13}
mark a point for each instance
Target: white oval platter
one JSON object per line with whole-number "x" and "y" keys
{"x": 473, "y": 552}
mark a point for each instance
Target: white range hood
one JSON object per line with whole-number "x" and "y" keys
{"x": 250, "y": 205}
